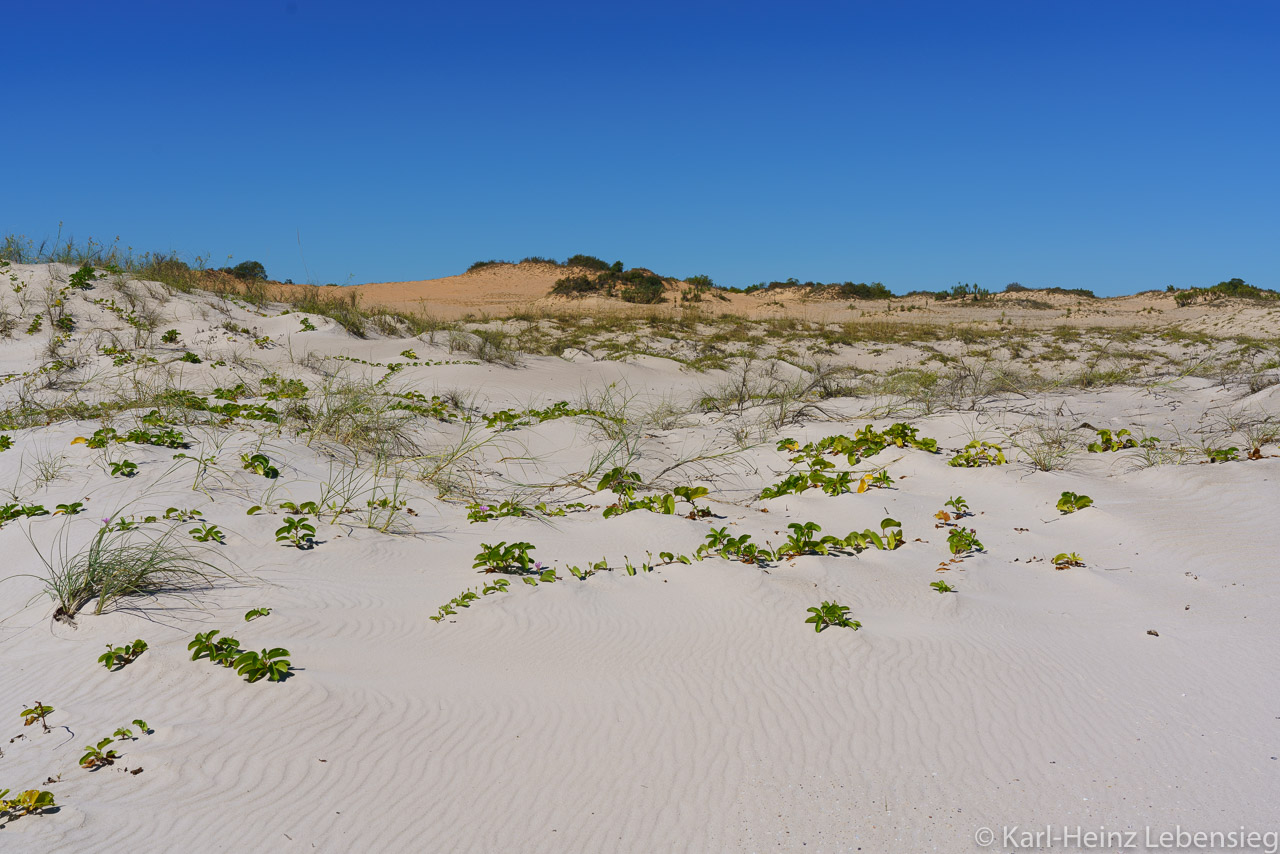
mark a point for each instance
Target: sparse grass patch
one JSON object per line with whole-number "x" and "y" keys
{"x": 119, "y": 565}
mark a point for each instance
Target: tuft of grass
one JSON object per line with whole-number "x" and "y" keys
{"x": 1046, "y": 445}
{"x": 120, "y": 564}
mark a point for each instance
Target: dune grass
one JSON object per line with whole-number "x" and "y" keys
{"x": 120, "y": 564}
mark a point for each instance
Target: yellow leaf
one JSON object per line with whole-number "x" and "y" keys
{"x": 862, "y": 485}
{"x": 79, "y": 440}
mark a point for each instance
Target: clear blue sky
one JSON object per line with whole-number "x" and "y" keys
{"x": 1115, "y": 146}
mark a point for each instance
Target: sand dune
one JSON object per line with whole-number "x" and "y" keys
{"x": 689, "y": 708}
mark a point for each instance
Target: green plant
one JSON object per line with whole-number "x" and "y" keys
{"x": 190, "y": 357}
{"x": 6, "y": 442}
{"x": 1222, "y": 455}
{"x": 830, "y": 614}
{"x": 1107, "y": 441}
{"x": 270, "y": 663}
{"x": 37, "y": 712}
{"x": 466, "y": 597}
{"x": 865, "y": 443}
{"x": 958, "y": 506}
{"x": 9, "y": 512}
{"x": 977, "y": 454}
{"x": 82, "y": 279}
{"x": 30, "y": 801}
{"x": 218, "y": 650}
{"x": 179, "y": 514}
{"x": 512, "y": 558}
{"x": 118, "y": 656}
{"x": 740, "y": 548}
{"x": 206, "y": 533}
{"x": 962, "y": 540}
{"x": 259, "y": 464}
{"x": 170, "y": 336}
{"x": 297, "y": 531}
{"x": 942, "y": 587}
{"x": 142, "y": 725}
{"x": 307, "y": 325}
{"x": 100, "y": 438}
{"x": 1064, "y": 560}
{"x": 124, "y": 468}
{"x": 801, "y": 541}
{"x": 68, "y": 509}
{"x": 95, "y": 757}
{"x": 1070, "y": 502}
{"x": 255, "y": 613}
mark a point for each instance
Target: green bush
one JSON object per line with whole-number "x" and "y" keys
{"x": 480, "y": 265}
{"x": 861, "y": 290}
{"x": 247, "y": 271}
{"x": 590, "y": 262}
{"x": 634, "y": 286}
{"x": 844, "y": 290}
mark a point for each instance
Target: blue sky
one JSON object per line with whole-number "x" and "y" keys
{"x": 1114, "y": 146}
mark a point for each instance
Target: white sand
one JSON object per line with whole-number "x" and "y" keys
{"x": 687, "y": 709}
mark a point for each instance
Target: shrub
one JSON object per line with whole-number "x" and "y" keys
{"x": 861, "y": 290}
{"x": 634, "y": 286}
{"x": 247, "y": 271}
{"x": 590, "y": 262}
{"x": 480, "y": 265}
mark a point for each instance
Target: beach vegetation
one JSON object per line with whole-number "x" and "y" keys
{"x": 831, "y": 614}
{"x": 37, "y": 712}
{"x": 963, "y": 541}
{"x": 31, "y": 801}
{"x": 1070, "y": 502}
{"x": 117, "y": 657}
{"x": 298, "y": 532}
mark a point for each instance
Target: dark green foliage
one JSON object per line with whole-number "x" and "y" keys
{"x": 1236, "y": 288}
{"x": 861, "y": 290}
{"x": 1071, "y": 292}
{"x": 843, "y": 290}
{"x": 248, "y": 271}
{"x": 82, "y": 279}
{"x": 590, "y": 262}
{"x": 480, "y": 265}
{"x": 635, "y": 286}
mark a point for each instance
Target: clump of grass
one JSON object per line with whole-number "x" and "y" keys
{"x": 360, "y": 415}
{"x": 119, "y": 564}
{"x": 1046, "y": 445}
{"x": 487, "y": 345}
